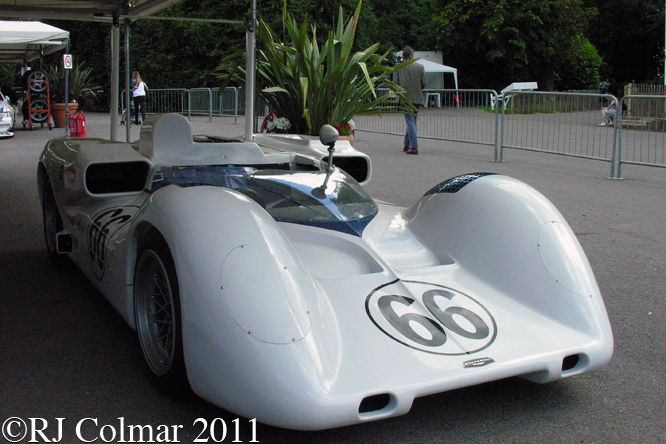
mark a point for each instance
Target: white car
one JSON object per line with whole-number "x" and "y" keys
{"x": 268, "y": 282}
{"x": 6, "y": 117}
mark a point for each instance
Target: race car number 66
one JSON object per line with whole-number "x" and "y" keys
{"x": 434, "y": 319}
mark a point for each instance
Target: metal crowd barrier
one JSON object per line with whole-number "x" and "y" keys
{"x": 462, "y": 115}
{"x": 549, "y": 122}
{"x": 159, "y": 101}
{"x": 642, "y": 132}
{"x": 560, "y": 123}
{"x": 197, "y": 101}
{"x": 201, "y": 102}
{"x": 230, "y": 102}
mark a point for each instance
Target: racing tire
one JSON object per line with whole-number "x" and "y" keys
{"x": 157, "y": 316}
{"x": 52, "y": 225}
{"x": 39, "y": 80}
{"x": 38, "y": 112}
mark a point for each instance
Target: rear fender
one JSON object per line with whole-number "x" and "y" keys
{"x": 511, "y": 237}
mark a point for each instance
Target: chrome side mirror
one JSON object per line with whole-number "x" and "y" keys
{"x": 328, "y": 136}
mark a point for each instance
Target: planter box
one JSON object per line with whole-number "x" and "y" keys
{"x": 59, "y": 113}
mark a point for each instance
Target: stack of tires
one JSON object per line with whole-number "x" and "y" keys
{"x": 36, "y": 104}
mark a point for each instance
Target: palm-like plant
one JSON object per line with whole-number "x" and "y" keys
{"x": 313, "y": 86}
{"x": 81, "y": 84}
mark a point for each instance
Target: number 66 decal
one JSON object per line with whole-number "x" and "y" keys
{"x": 442, "y": 321}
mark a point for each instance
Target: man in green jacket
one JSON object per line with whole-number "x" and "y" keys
{"x": 412, "y": 79}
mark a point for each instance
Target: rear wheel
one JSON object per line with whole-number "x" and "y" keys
{"x": 157, "y": 315}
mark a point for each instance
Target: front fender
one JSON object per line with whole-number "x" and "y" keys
{"x": 230, "y": 253}
{"x": 253, "y": 318}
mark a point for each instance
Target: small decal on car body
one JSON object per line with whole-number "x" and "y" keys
{"x": 101, "y": 229}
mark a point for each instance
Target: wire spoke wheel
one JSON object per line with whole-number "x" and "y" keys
{"x": 155, "y": 312}
{"x": 157, "y": 316}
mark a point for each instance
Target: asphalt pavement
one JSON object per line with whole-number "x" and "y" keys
{"x": 65, "y": 353}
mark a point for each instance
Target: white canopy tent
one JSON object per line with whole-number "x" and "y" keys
{"x": 23, "y": 41}
{"x": 435, "y": 74}
{"x": 108, "y": 11}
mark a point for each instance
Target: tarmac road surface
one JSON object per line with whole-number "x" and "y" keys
{"x": 65, "y": 353}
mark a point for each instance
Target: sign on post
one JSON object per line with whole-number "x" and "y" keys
{"x": 67, "y": 61}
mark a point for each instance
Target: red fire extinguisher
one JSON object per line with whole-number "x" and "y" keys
{"x": 81, "y": 125}
{"x": 72, "y": 126}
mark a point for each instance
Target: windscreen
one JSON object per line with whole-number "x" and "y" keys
{"x": 331, "y": 200}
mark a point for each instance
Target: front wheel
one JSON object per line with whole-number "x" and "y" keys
{"x": 157, "y": 315}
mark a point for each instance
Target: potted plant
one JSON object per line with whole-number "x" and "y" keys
{"x": 279, "y": 125}
{"x": 346, "y": 130}
{"x": 81, "y": 90}
{"x": 312, "y": 85}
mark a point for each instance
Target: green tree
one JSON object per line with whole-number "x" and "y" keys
{"x": 405, "y": 22}
{"x": 9, "y": 73}
{"x": 182, "y": 54}
{"x": 629, "y": 35}
{"x": 581, "y": 70}
{"x": 491, "y": 42}
{"x": 502, "y": 41}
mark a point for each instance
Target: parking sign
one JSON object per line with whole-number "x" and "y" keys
{"x": 67, "y": 61}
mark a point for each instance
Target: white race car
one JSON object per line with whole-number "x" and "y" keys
{"x": 6, "y": 117}
{"x": 264, "y": 278}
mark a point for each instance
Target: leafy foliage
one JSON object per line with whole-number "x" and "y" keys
{"x": 81, "y": 84}
{"x": 313, "y": 85}
{"x": 582, "y": 71}
{"x": 401, "y": 23}
{"x": 629, "y": 35}
{"x": 9, "y": 73}
{"x": 513, "y": 40}
{"x": 491, "y": 42}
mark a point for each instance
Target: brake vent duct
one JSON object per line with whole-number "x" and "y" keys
{"x": 374, "y": 403}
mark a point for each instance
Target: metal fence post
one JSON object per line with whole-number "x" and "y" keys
{"x": 497, "y": 128}
{"x": 615, "y": 160}
{"x": 210, "y": 105}
{"x": 501, "y": 142}
{"x": 189, "y": 104}
{"x": 235, "y": 106}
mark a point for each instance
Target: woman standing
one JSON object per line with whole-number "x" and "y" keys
{"x": 139, "y": 93}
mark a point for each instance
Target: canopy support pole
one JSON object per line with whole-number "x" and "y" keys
{"x": 67, "y": 133}
{"x": 128, "y": 105}
{"x": 115, "y": 79}
{"x": 249, "y": 74}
